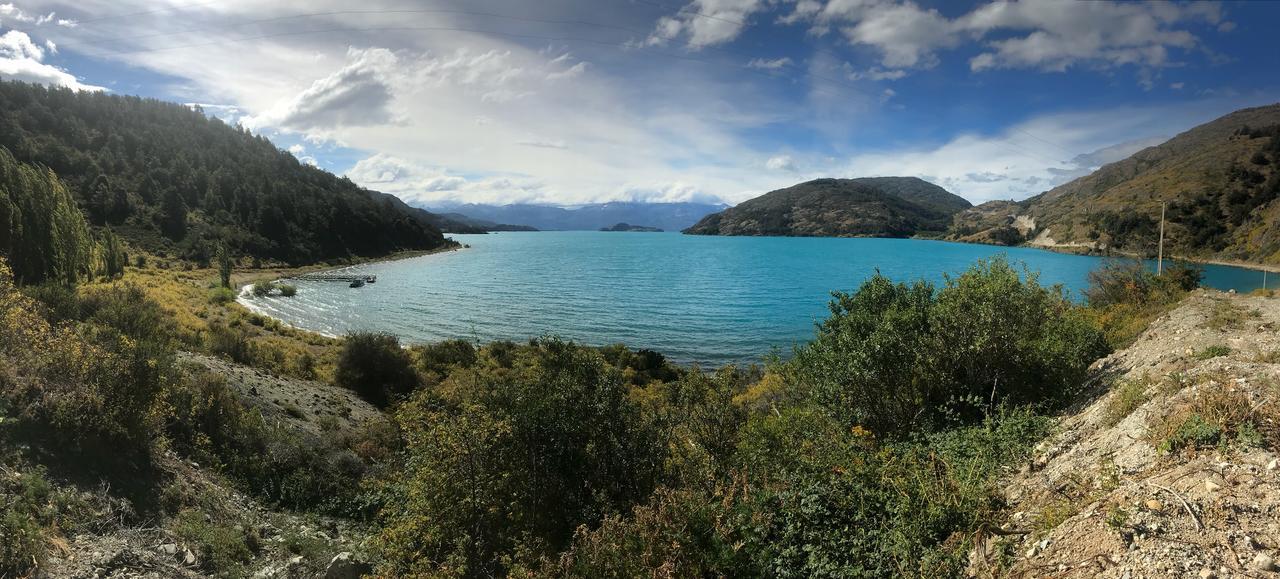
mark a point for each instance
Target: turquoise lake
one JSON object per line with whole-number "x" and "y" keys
{"x": 709, "y": 300}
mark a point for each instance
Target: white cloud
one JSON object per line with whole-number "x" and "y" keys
{"x": 359, "y": 94}
{"x": 575, "y": 71}
{"x": 22, "y": 59}
{"x": 706, "y": 22}
{"x": 781, "y": 163}
{"x": 1030, "y": 157}
{"x": 1048, "y": 35}
{"x": 8, "y": 10}
{"x": 770, "y": 64}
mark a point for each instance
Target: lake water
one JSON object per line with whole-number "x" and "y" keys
{"x": 701, "y": 299}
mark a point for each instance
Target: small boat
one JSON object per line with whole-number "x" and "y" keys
{"x": 357, "y": 282}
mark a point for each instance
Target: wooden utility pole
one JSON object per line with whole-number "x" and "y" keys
{"x": 1160, "y": 255}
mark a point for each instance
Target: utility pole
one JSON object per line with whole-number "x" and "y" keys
{"x": 1160, "y": 256}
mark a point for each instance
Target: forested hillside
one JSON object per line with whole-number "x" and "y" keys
{"x": 866, "y": 207}
{"x": 172, "y": 179}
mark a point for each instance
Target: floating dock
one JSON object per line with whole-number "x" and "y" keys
{"x": 348, "y": 278}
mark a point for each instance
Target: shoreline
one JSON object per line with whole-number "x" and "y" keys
{"x": 250, "y": 276}
{"x": 1067, "y": 249}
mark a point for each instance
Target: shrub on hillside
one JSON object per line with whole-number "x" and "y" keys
{"x": 815, "y": 499}
{"x": 1132, "y": 282}
{"x": 207, "y": 422}
{"x": 1125, "y": 296}
{"x": 229, "y": 342}
{"x": 895, "y": 358}
{"x": 522, "y": 459}
{"x": 439, "y": 358}
{"x": 91, "y": 389}
{"x": 129, "y": 310}
{"x": 375, "y": 367}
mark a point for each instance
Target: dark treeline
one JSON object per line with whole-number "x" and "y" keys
{"x": 169, "y": 178}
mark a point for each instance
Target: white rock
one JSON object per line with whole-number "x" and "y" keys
{"x": 1264, "y": 562}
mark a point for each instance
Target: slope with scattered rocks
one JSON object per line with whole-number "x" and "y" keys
{"x": 1170, "y": 468}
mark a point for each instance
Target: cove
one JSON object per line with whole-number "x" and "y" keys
{"x": 696, "y": 299}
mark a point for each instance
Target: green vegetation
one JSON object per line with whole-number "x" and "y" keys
{"x": 1219, "y": 181}
{"x": 1215, "y": 351}
{"x": 1126, "y": 397}
{"x": 376, "y": 367}
{"x": 875, "y": 206}
{"x": 873, "y": 451}
{"x": 1216, "y": 417}
{"x": 896, "y": 358}
{"x": 1124, "y": 296}
{"x": 41, "y": 230}
{"x": 172, "y": 180}
{"x": 551, "y": 459}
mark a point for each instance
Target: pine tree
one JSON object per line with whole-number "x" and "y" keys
{"x": 224, "y": 264}
{"x": 173, "y": 215}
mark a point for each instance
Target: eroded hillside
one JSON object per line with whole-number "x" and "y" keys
{"x": 1169, "y": 469}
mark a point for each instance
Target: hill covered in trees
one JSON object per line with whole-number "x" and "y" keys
{"x": 1219, "y": 182}
{"x": 169, "y": 178}
{"x": 866, "y": 207}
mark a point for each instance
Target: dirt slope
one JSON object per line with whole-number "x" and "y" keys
{"x": 1100, "y": 498}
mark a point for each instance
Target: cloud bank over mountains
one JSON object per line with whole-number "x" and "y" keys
{"x": 576, "y": 101}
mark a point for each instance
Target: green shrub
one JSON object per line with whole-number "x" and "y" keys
{"x": 229, "y": 342}
{"x": 263, "y": 288}
{"x": 1124, "y": 297}
{"x": 441, "y": 357}
{"x": 818, "y": 501}
{"x": 524, "y": 458}
{"x": 896, "y": 358}
{"x": 375, "y": 367}
{"x": 208, "y": 423}
{"x": 1215, "y": 351}
{"x": 127, "y": 309}
{"x": 222, "y": 550}
{"x": 288, "y": 291}
{"x": 222, "y": 296}
{"x": 1216, "y": 416}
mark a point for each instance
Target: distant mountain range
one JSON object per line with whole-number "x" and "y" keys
{"x": 866, "y": 207}
{"x": 1219, "y": 183}
{"x": 459, "y": 223}
{"x": 592, "y": 217}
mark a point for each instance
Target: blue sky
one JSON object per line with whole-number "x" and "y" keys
{"x": 574, "y": 101}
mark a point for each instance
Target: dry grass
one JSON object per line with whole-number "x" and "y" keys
{"x": 185, "y": 295}
{"x": 1229, "y": 316}
{"x": 1128, "y": 396}
{"x": 1220, "y": 416}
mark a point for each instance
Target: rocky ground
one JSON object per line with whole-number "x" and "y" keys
{"x": 285, "y": 544}
{"x": 1101, "y": 497}
{"x": 309, "y": 406}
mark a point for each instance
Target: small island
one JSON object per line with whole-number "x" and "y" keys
{"x": 629, "y": 227}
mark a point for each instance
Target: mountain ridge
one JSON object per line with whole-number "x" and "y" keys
{"x": 1218, "y": 182}
{"x": 589, "y": 217}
